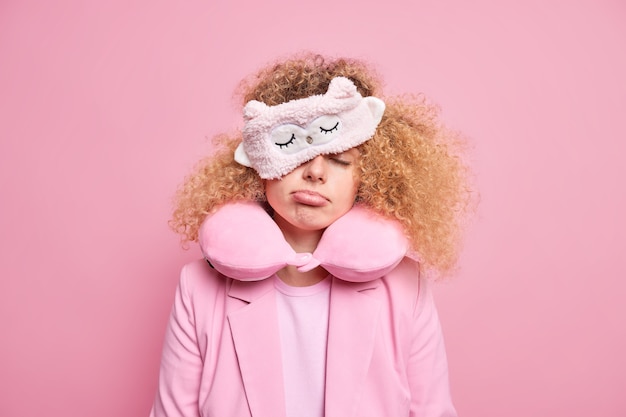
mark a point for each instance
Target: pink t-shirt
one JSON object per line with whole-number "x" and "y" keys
{"x": 303, "y": 324}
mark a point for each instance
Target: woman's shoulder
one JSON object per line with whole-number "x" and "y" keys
{"x": 199, "y": 279}
{"x": 405, "y": 285}
{"x": 405, "y": 277}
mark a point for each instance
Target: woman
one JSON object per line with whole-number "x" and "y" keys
{"x": 317, "y": 223}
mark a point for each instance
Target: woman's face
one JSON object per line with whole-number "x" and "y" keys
{"x": 315, "y": 194}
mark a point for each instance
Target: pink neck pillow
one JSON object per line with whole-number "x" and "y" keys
{"x": 242, "y": 241}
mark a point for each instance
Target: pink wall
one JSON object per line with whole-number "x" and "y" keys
{"x": 105, "y": 106}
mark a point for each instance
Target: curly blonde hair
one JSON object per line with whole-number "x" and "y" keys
{"x": 411, "y": 170}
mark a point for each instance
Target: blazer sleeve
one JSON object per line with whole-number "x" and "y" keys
{"x": 181, "y": 361}
{"x": 428, "y": 366}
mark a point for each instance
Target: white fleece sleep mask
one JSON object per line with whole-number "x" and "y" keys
{"x": 277, "y": 139}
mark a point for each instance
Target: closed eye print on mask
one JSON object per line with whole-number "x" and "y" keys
{"x": 291, "y": 138}
{"x": 331, "y": 130}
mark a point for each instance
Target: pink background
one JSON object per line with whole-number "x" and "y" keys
{"x": 105, "y": 106}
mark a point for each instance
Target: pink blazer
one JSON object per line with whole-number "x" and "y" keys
{"x": 221, "y": 355}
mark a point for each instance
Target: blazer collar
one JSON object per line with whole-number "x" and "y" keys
{"x": 256, "y": 337}
{"x": 352, "y": 327}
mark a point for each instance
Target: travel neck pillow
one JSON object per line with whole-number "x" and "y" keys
{"x": 242, "y": 241}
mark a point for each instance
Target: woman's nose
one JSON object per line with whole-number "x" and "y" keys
{"x": 316, "y": 169}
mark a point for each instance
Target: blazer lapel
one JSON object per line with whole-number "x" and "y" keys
{"x": 351, "y": 334}
{"x": 257, "y": 343}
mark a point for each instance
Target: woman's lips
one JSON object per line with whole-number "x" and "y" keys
{"x": 310, "y": 198}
